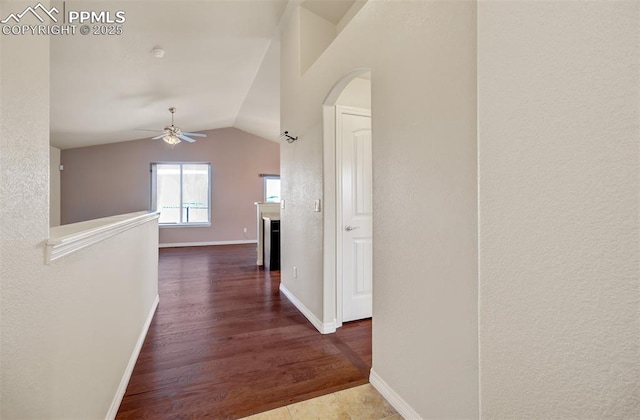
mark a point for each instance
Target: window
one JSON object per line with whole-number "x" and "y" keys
{"x": 271, "y": 188}
{"x": 181, "y": 192}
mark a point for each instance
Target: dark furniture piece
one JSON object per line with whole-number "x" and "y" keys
{"x": 271, "y": 243}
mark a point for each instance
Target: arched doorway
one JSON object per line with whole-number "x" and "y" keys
{"x": 347, "y": 240}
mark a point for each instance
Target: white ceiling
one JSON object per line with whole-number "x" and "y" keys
{"x": 331, "y": 10}
{"x": 221, "y": 69}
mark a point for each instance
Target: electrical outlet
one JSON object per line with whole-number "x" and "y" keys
{"x": 295, "y": 272}
{"x": 245, "y": 230}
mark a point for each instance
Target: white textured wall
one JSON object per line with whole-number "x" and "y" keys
{"x": 356, "y": 94}
{"x": 301, "y": 175}
{"x": 67, "y": 329}
{"x": 54, "y": 186}
{"x": 558, "y": 87}
{"x": 422, "y": 57}
{"x": 316, "y": 33}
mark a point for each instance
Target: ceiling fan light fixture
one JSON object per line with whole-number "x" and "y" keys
{"x": 173, "y": 135}
{"x": 171, "y": 139}
{"x": 157, "y": 52}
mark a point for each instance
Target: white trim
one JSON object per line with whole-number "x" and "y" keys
{"x": 184, "y": 225}
{"x": 84, "y": 234}
{"x": 181, "y": 244}
{"x": 330, "y": 237}
{"x": 340, "y": 112}
{"x": 337, "y": 89}
{"x": 324, "y": 328}
{"x": 392, "y": 397}
{"x": 126, "y": 376}
{"x": 339, "y": 212}
{"x": 329, "y": 218}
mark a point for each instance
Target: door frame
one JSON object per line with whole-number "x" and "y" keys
{"x": 330, "y": 303}
{"x": 341, "y": 110}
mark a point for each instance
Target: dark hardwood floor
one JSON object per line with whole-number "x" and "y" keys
{"x": 224, "y": 342}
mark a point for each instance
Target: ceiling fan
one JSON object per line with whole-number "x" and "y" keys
{"x": 173, "y": 135}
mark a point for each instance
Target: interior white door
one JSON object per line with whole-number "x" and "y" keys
{"x": 354, "y": 132}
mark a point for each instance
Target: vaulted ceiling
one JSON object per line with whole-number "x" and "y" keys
{"x": 220, "y": 69}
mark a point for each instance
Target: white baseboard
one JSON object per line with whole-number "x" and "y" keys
{"x": 327, "y": 328}
{"x": 122, "y": 388}
{"x": 181, "y": 244}
{"x": 394, "y": 399}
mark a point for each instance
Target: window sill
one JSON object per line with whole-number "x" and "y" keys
{"x": 184, "y": 225}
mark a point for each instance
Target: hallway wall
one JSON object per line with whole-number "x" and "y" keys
{"x": 68, "y": 329}
{"x": 422, "y": 59}
{"x": 559, "y": 123}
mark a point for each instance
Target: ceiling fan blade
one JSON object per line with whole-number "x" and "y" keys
{"x": 185, "y": 138}
{"x": 158, "y": 137}
{"x": 145, "y": 129}
{"x": 194, "y": 134}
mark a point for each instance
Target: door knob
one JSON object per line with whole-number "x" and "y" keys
{"x": 350, "y": 228}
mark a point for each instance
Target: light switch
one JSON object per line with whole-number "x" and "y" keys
{"x": 282, "y": 204}
{"x": 316, "y": 205}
